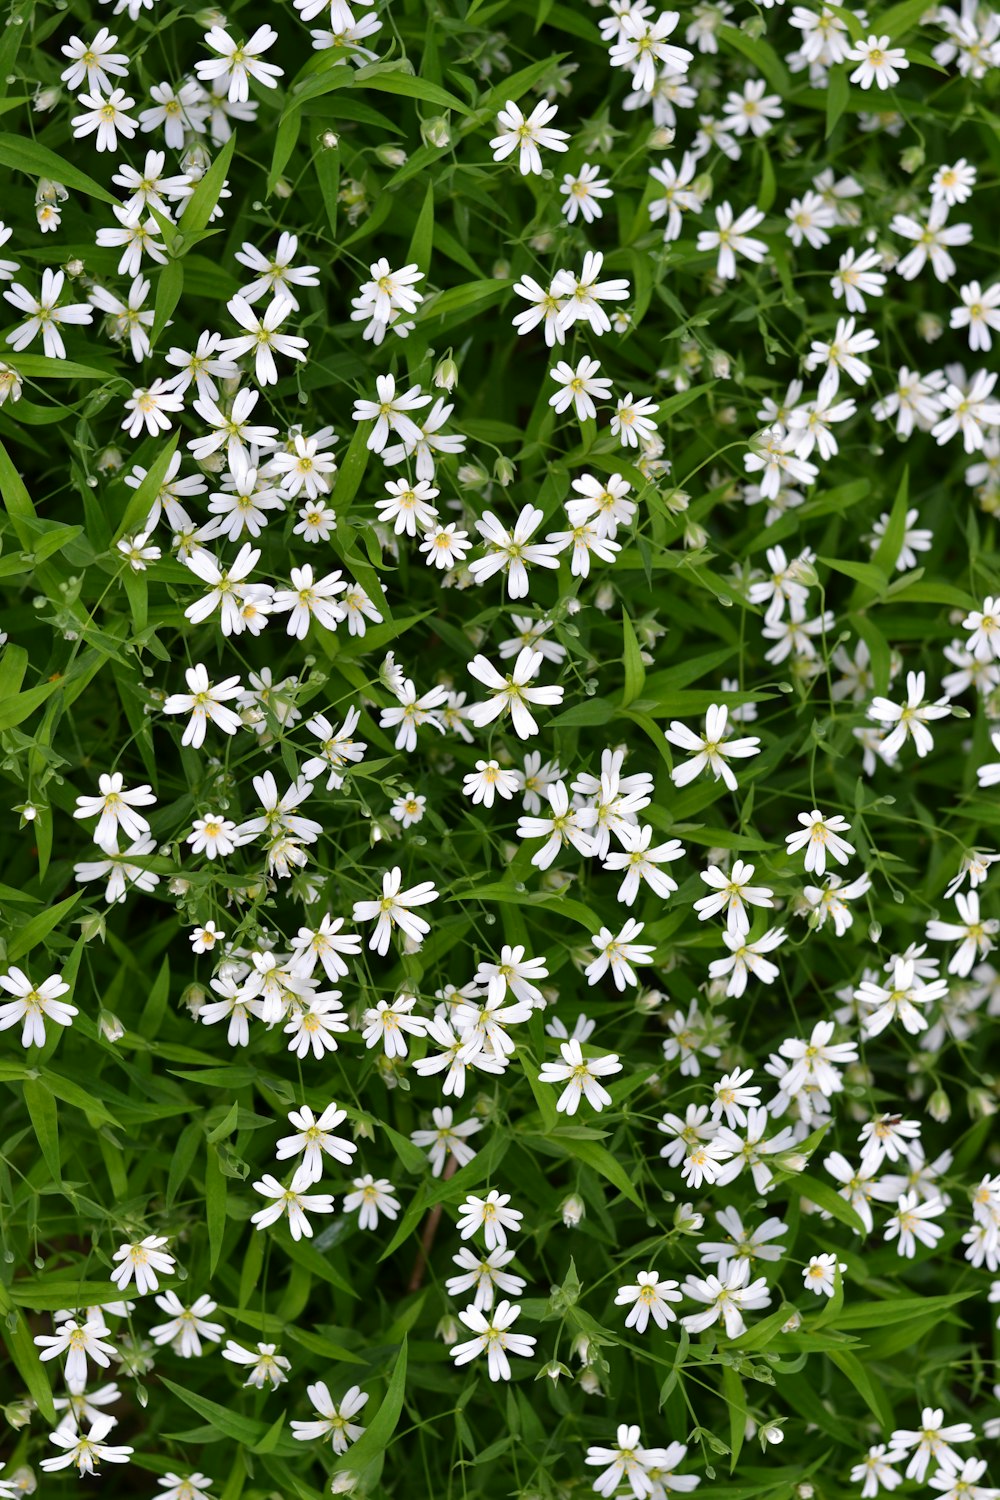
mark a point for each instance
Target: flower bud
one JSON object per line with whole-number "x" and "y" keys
{"x": 504, "y": 471}
{"x": 111, "y": 1028}
{"x": 18, "y": 1413}
{"x": 939, "y": 1106}
{"x": 436, "y": 132}
{"x": 912, "y": 159}
{"x": 446, "y": 375}
{"x": 573, "y": 1210}
{"x": 391, "y": 156}
{"x": 447, "y": 1330}
{"x": 329, "y": 140}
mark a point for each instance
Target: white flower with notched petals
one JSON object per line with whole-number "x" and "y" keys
{"x": 528, "y": 135}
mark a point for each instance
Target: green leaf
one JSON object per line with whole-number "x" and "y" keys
{"x": 635, "y": 667}
{"x": 600, "y": 1160}
{"x": 245, "y": 1430}
{"x": 732, "y": 1390}
{"x": 15, "y": 710}
{"x": 23, "y": 155}
{"x": 39, "y": 927}
{"x": 22, "y": 1349}
{"x": 202, "y": 203}
{"x": 169, "y": 286}
{"x": 423, "y": 233}
{"x": 395, "y": 81}
{"x": 365, "y": 1457}
{"x": 285, "y": 141}
{"x": 837, "y": 94}
{"x": 351, "y": 471}
{"x": 216, "y": 1190}
{"x": 16, "y": 500}
{"x": 868, "y": 574}
{"x": 871, "y": 1392}
{"x": 45, "y": 1123}
{"x": 896, "y": 1310}
{"x": 141, "y": 501}
{"x": 825, "y": 1197}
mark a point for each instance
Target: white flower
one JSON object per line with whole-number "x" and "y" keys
{"x": 84, "y": 1451}
{"x": 973, "y": 933}
{"x": 619, "y": 953}
{"x": 732, "y": 893}
{"x": 627, "y": 1461}
{"x": 648, "y": 1298}
{"x": 142, "y": 1259}
{"x": 312, "y": 1141}
{"x": 205, "y": 703}
{"x": 392, "y": 909}
{"x": 879, "y": 63}
{"x": 334, "y": 1419}
{"x": 389, "y": 413}
{"x": 911, "y": 1225}
{"x": 820, "y": 836}
{"x": 641, "y": 863}
{"x": 910, "y": 718}
{"x": 78, "y": 1341}
{"x": 580, "y": 1076}
{"x": 390, "y": 1022}
{"x": 291, "y": 1200}
{"x": 732, "y": 237}
{"x": 526, "y": 134}
{"x": 115, "y": 808}
{"x": 710, "y": 750}
{"x": 262, "y": 337}
{"x": 583, "y": 193}
{"x": 492, "y": 1216}
{"x": 931, "y": 1440}
{"x": 932, "y": 240}
{"x": 267, "y": 1366}
{"x": 186, "y": 1326}
{"x": 492, "y": 1337}
{"x": 371, "y": 1197}
{"x": 747, "y": 958}
{"x": 107, "y": 116}
{"x": 486, "y": 1273}
{"x": 238, "y": 62}
{"x": 578, "y": 386}
{"x": 512, "y": 552}
{"x": 819, "y": 1274}
{"x": 44, "y": 316}
{"x": 512, "y": 693}
{"x": 191, "y": 1487}
{"x": 447, "y": 1139}
{"x": 876, "y": 1471}
{"x": 33, "y": 1005}
{"x": 726, "y": 1296}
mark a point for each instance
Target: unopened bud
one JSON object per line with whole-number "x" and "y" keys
{"x": 18, "y": 1413}
{"x": 329, "y": 140}
{"x": 573, "y": 1210}
{"x": 436, "y": 132}
{"x": 939, "y": 1106}
{"x": 912, "y": 159}
{"x": 504, "y": 471}
{"x": 446, "y": 375}
{"x": 981, "y": 1103}
{"x": 111, "y": 1028}
{"x": 447, "y": 1330}
{"x": 391, "y": 156}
